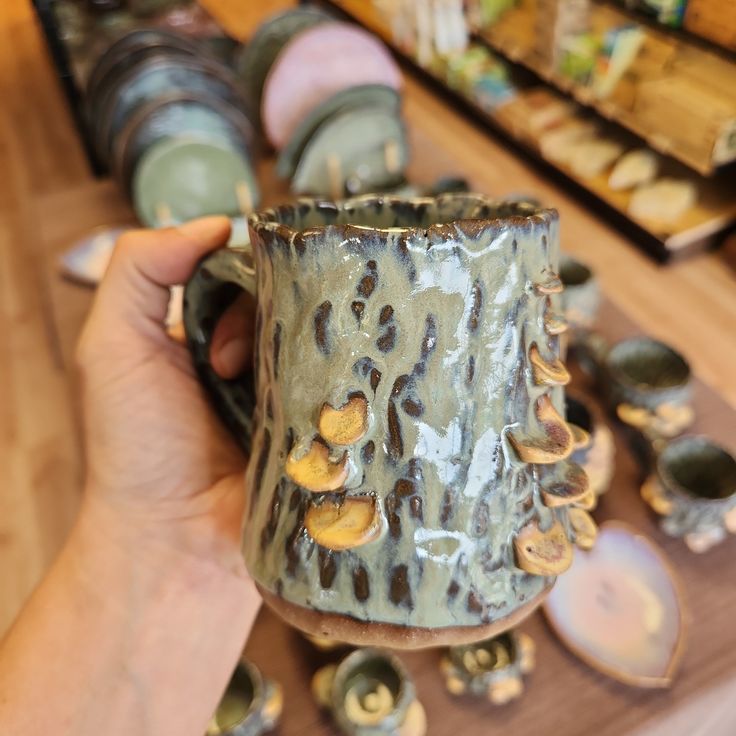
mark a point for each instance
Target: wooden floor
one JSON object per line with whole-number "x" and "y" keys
{"x": 48, "y": 196}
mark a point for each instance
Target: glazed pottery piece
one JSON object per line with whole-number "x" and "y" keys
{"x": 250, "y": 706}
{"x": 693, "y": 489}
{"x": 620, "y": 609}
{"x": 87, "y": 260}
{"x": 129, "y": 50}
{"x": 315, "y": 65}
{"x": 153, "y": 78}
{"x": 492, "y": 668}
{"x": 261, "y": 51}
{"x": 364, "y": 96}
{"x": 646, "y": 382}
{"x": 370, "y": 693}
{"x": 597, "y": 449}
{"x": 178, "y": 179}
{"x": 581, "y": 298}
{"x": 358, "y": 151}
{"x": 179, "y": 114}
{"x": 408, "y": 414}
{"x": 147, "y": 8}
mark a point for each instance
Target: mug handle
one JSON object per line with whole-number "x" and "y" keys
{"x": 213, "y": 287}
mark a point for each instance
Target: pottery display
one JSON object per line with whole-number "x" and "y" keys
{"x": 399, "y": 444}
{"x": 370, "y": 693}
{"x": 314, "y": 65}
{"x": 597, "y": 451}
{"x": 620, "y": 609}
{"x": 581, "y": 298}
{"x": 492, "y": 669}
{"x": 645, "y": 381}
{"x": 693, "y": 490}
{"x": 251, "y": 704}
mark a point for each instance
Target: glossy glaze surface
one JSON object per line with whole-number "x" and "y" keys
{"x": 432, "y": 325}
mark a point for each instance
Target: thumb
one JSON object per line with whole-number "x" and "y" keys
{"x": 146, "y": 263}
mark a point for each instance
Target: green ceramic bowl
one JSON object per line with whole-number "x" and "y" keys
{"x": 184, "y": 177}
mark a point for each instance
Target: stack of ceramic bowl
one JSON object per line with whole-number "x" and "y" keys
{"x": 170, "y": 122}
{"x": 328, "y": 93}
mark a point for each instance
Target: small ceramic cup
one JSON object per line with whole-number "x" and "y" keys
{"x": 645, "y": 381}
{"x": 596, "y": 455}
{"x": 492, "y": 668}
{"x": 581, "y": 298}
{"x": 370, "y": 693}
{"x": 250, "y": 706}
{"x": 693, "y": 489}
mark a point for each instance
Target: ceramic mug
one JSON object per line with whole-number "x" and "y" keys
{"x": 693, "y": 489}
{"x": 405, "y": 416}
{"x": 251, "y": 704}
{"x": 581, "y": 298}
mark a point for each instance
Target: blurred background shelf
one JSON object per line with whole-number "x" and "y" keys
{"x": 702, "y": 226}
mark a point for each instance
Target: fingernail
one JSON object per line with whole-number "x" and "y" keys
{"x": 231, "y": 358}
{"x": 204, "y": 228}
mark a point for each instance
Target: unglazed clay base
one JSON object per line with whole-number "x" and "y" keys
{"x": 367, "y": 633}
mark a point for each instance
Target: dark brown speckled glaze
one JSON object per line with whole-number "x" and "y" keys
{"x": 429, "y": 309}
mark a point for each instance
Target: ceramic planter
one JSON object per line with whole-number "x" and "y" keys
{"x": 250, "y": 706}
{"x": 492, "y": 668}
{"x": 693, "y": 489}
{"x": 596, "y": 453}
{"x": 409, "y": 481}
{"x": 370, "y": 693}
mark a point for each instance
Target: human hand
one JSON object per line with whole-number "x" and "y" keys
{"x": 159, "y": 461}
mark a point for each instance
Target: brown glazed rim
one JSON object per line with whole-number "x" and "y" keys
{"x": 271, "y": 221}
{"x": 355, "y": 632}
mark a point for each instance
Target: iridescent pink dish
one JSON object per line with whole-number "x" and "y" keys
{"x": 619, "y": 608}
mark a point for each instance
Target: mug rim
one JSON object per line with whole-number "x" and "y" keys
{"x": 271, "y": 220}
{"x": 622, "y": 376}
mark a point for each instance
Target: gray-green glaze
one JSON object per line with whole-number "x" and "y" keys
{"x": 698, "y": 478}
{"x": 364, "y": 95}
{"x": 581, "y": 298}
{"x": 432, "y": 323}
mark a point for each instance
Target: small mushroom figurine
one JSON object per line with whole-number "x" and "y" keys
{"x": 251, "y": 704}
{"x": 370, "y": 694}
{"x": 492, "y": 668}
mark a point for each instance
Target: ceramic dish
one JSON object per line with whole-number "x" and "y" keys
{"x": 620, "y": 608}
{"x": 261, "y": 51}
{"x": 178, "y": 179}
{"x": 349, "y": 153}
{"x": 130, "y": 50}
{"x": 154, "y": 78}
{"x": 365, "y": 95}
{"x": 177, "y": 114}
{"x": 315, "y": 65}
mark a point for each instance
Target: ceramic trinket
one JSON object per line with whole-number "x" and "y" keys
{"x": 581, "y": 297}
{"x": 492, "y": 669}
{"x": 693, "y": 490}
{"x": 646, "y": 382}
{"x": 370, "y": 693}
{"x": 251, "y": 704}
{"x": 620, "y": 609}
{"x": 596, "y": 455}
{"x": 398, "y": 443}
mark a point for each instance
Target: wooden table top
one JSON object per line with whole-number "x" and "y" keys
{"x": 48, "y": 197}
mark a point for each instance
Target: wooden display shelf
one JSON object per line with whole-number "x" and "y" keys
{"x": 681, "y": 33}
{"x": 699, "y": 228}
